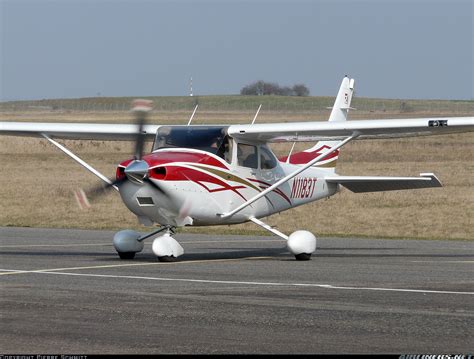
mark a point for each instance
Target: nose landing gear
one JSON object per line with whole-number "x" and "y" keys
{"x": 166, "y": 248}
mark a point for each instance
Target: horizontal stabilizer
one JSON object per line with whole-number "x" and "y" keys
{"x": 361, "y": 184}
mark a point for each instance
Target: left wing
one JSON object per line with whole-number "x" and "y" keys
{"x": 77, "y": 131}
{"x": 363, "y": 129}
{"x": 361, "y": 184}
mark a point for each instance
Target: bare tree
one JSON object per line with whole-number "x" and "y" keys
{"x": 300, "y": 90}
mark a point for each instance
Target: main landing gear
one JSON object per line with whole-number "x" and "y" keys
{"x": 300, "y": 243}
{"x": 127, "y": 243}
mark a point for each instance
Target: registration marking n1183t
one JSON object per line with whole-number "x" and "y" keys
{"x": 303, "y": 187}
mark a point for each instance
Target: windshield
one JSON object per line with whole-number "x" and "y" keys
{"x": 207, "y": 138}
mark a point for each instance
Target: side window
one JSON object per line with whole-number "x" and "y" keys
{"x": 247, "y": 155}
{"x": 267, "y": 160}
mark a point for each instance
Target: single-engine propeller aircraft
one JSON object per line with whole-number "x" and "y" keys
{"x": 199, "y": 175}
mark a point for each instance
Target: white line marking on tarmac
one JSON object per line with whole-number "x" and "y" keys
{"x": 234, "y": 241}
{"x": 443, "y": 262}
{"x": 326, "y": 286}
{"x": 110, "y": 243}
{"x": 53, "y": 245}
{"x": 19, "y": 271}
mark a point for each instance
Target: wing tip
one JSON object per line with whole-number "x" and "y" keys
{"x": 434, "y": 179}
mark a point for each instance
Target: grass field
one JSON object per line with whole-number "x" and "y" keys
{"x": 37, "y": 180}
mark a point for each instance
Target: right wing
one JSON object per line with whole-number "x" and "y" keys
{"x": 339, "y": 130}
{"x": 77, "y": 131}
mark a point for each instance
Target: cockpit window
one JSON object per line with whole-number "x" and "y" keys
{"x": 206, "y": 138}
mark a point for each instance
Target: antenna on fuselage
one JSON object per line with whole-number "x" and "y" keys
{"x": 259, "y": 107}
{"x": 191, "y": 118}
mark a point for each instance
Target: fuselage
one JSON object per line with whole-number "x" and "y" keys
{"x": 199, "y": 185}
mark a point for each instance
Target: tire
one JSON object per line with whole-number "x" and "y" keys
{"x": 168, "y": 259}
{"x": 126, "y": 255}
{"x": 303, "y": 257}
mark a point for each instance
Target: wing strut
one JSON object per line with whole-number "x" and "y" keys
{"x": 287, "y": 178}
{"x": 269, "y": 228}
{"x": 80, "y": 161}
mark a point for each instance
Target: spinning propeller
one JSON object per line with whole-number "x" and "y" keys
{"x": 136, "y": 171}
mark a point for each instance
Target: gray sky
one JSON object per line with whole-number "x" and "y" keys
{"x": 394, "y": 49}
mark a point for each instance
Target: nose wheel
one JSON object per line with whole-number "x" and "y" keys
{"x": 166, "y": 248}
{"x": 167, "y": 259}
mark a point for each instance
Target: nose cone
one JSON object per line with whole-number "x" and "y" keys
{"x": 137, "y": 171}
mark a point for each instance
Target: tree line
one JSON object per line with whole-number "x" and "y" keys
{"x": 260, "y": 88}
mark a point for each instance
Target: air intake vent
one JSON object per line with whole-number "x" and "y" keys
{"x": 145, "y": 201}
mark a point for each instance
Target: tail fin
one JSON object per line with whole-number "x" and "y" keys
{"x": 339, "y": 112}
{"x": 342, "y": 105}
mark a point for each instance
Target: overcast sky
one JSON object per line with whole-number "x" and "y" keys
{"x": 80, "y": 48}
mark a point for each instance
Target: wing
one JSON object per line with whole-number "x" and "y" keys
{"x": 77, "y": 131}
{"x": 338, "y": 130}
{"x": 361, "y": 184}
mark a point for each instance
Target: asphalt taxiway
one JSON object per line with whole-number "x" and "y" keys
{"x": 66, "y": 291}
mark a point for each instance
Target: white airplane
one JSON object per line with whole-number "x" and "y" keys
{"x": 198, "y": 175}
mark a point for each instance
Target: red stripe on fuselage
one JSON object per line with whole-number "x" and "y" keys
{"x": 170, "y": 156}
{"x": 276, "y": 190}
{"x": 178, "y": 173}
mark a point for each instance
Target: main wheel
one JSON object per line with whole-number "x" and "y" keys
{"x": 168, "y": 259}
{"x": 303, "y": 257}
{"x": 126, "y": 255}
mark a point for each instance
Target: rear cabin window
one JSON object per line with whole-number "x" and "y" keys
{"x": 247, "y": 155}
{"x": 267, "y": 160}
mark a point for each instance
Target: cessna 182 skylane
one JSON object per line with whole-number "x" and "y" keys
{"x": 212, "y": 175}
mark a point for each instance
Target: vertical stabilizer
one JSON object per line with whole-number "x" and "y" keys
{"x": 343, "y": 100}
{"x": 339, "y": 113}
